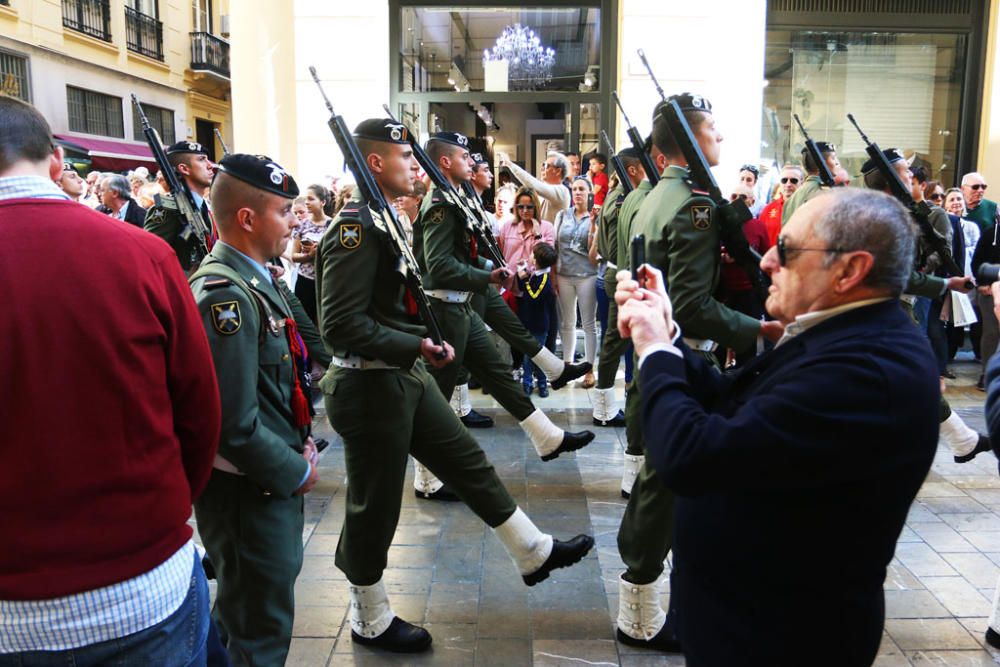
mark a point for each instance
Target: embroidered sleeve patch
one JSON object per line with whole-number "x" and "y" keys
{"x": 701, "y": 217}
{"x": 437, "y": 215}
{"x": 350, "y": 235}
{"x": 226, "y": 317}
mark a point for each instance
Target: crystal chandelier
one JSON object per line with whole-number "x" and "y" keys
{"x": 529, "y": 63}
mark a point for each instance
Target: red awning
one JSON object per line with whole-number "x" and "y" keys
{"x": 110, "y": 155}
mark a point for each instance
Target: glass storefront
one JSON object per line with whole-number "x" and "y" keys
{"x": 500, "y": 49}
{"x": 904, "y": 89}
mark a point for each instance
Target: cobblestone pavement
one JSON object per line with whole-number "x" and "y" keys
{"x": 449, "y": 573}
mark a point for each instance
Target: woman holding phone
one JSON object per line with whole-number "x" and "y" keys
{"x": 305, "y": 241}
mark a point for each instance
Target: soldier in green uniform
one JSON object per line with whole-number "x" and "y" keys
{"x": 250, "y": 515}
{"x": 812, "y": 186}
{"x": 634, "y": 448}
{"x": 682, "y": 241}
{"x": 446, "y": 248}
{"x": 383, "y": 402}
{"x": 964, "y": 442}
{"x": 613, "y": 346}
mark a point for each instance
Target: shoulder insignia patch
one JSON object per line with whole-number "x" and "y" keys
{"x": 350, "y": 235}
{"x": 226, "y": 317}
{"x": 701, "y": 217}
{"x": 436, "y": 216}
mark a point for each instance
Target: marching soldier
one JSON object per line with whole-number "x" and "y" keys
{"x": 446, "y": 248}
{"x": 385, "y": 405}
{"x": 613, "y": 346}
{"x": 812, "y": 186}
{"x": 250, "y": 515}
{"x": 682, "y": 240}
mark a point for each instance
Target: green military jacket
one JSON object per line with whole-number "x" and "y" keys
{"x": 811, "y": 187}
{"x": 607, "y": 230}
{"x": 626, "y": 214}
{"x": 253, "y": 364}
{"x": 442, "y": 243}
{"x": 683, "y": 241}
{"x": 164, "y": 220}
{"x": 924, "y": 282}
{"x": 361, "y": 295}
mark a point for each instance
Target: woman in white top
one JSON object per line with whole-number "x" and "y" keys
{"x": 577, "y": 274}
{"x": 954, "y": 203}
{"x": 553, "y": 194}
{"x": 306, "y": 238}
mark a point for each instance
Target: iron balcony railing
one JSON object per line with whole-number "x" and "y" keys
{"x": 209, "y": 52}
{"x": 143, "y": 34}
{"x": 91, "y": 17}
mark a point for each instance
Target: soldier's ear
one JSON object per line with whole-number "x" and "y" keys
{"x": 245, "y": 218}
{"x": 375, "y": 163}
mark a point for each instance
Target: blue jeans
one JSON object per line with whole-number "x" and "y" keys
{"x": 177, "y": 641}
{"x": 602, "y": 306}
{"x": 529, "y": 366}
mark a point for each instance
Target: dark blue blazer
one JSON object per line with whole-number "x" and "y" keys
{"x": 793, "y": 479}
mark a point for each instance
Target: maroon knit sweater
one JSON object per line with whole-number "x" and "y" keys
{"x": 109, "y": 407}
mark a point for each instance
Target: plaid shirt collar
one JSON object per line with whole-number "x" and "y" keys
{"x": 29, "y": 187}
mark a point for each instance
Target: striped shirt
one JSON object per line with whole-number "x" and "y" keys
{"x": 102, "y": 614}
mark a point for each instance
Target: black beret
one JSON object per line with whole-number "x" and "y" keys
{"x": 453, "y": 138}
{"x": 691, "y": 102}
{"x": 186, "y": 147}
{"x": 67, "y": 166}
{"x": 823, "y": 147}
{"x": 261, "y": 172}
{"x": 478, "y": 159}
{"x": 382, "y": 129}
{"x": 891, "y": 154}
{"x": 629, "y": 153}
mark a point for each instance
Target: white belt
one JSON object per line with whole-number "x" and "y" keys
{"x": 612, "y": 266}
{"x": 701, "y": 345}
{"x": 450, "y": 295}
{"x": 360, "y": 364}
{"x": 225, "y": 466}
{"x": 908, "y": 298}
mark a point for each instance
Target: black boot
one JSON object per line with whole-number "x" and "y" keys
{"x": 570, "y": 373}
{"x": 570, "y": 443}
{"x": 664, "y": 640}
{"x": 321, "y": 444}
{"x": 563, "y": 554}
{"x": 992, "y": 637}
{"x": 983, "y": 445}
{"x": 443, "y": 494}
{"x": 477, "y": 420}
{"x": 618, "y": 420}
{"x": 399, "y": 637}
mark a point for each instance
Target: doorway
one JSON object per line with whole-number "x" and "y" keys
{"x": 204, "y": 132}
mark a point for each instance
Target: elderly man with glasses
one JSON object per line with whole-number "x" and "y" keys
{"x": 828, "y": 435}
{"x": 554, "y": 195}
{"x": 979, "y": 209}
{"x": 791, "y": 177}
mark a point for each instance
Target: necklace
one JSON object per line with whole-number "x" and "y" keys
{"x": 534, "y": 293}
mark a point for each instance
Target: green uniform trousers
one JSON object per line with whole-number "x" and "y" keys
{"x": 505, "y": 322}
{"x": 255, "y": 543}
{"x": 463, "y": 328}
{"x": 384, "y": 415}
{"x": 613, "y": 346}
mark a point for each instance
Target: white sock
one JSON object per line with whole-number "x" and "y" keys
{"x": 456, "y": 401}
{"x": 551, "y": 365}
{"x": 959, "y": 437}
{"x": 633, "y": 464}
{"x": 604, "y": 404}
{"x": 545, "y": 436}
{"x": 640, "y": 614}
{"x": 371, "y": 614}
{"x": 424, "y": 480}
{"x": 528, "y": 547}
{"x": 465, "y": 403}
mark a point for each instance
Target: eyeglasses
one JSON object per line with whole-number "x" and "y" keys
{"x": 978, "y": 186}
{"x": 783, "y": 251}
{"x": 548, "y": 165}
{"x": 735, "y": 197}
{"x": 526, "y": 207}
{"x": 793, "y": 181}
{"x": 936, "y": 197}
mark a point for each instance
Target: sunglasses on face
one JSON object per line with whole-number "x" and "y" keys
{"x": 936, "y": 197}
{"x": 793, "y": 181}
{"x": 978, "y": 186}
{"x": 784, "y": 250}
{"x": 526, "y": 207}
{"x": 735, "y": 197}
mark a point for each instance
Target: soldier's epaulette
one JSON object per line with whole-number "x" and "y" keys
{"x": 216, "y": 283}
{"x": 438, "y": 197}
{"x": 699, "y": 192}
{"x": 167, "y": 201}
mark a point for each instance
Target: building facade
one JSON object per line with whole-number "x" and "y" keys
{"x": 80, "y": 61}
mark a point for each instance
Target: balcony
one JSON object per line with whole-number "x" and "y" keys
{"x": 209, "y": 54}
{"x": 143, "y": 34}
{"x": 91, "y": 17}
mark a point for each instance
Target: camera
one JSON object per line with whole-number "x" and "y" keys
{"x": 987, "y": 274}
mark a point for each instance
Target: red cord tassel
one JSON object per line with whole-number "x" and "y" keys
{"x": 409, "y": 303}
{"x": 473, "y": 248}
{"x": 300, "y": 406}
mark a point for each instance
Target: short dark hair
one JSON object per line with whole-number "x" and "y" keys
{"x": 436, "y": 148}
{"x": 663, "y": 138}
{"x": 875, "y": 181}
{"x": 545, "y": 255}
{"x": 919, "y": 174}
{"x": 810, "y": 165}
{"x": 24, "y": 133}
{"x": 569, "y": 153}
{"x": 601, "y": 158}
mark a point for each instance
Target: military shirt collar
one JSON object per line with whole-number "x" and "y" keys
{"x": 198, "y": 201}
{"x": 675, "y": 171}
{"x": 257, "y": 266}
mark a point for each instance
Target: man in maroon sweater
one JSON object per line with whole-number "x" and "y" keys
{"x": 110, "y": 414}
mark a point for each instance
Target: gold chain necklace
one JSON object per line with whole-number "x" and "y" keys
{"x": 534, "y": 293}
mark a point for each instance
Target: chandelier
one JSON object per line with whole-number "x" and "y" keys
{"x": 529, "y": 64}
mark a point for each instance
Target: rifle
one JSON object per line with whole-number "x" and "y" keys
{"x": 638, "y": 144}
{"x": 485, "y": 225}
{"x": 222, "y": 142}
{"x": 920, "y": 211}
{"x": 380, "y": 208}
{"x": 825, "y": 175}
{"x": 193, "y": 222}
{"x": 616, "y": 161}
{"x": 479, "y": 228}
